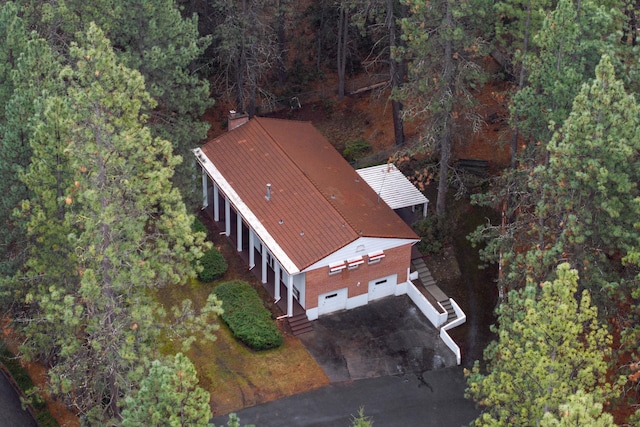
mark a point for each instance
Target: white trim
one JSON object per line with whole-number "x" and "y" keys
{"x": 375, "y": 257}
{"x": 287, "y": 264}
{"x": 371, "y": 244}
{"x": 337, "y": 267}
{"x": 353, "y": 263}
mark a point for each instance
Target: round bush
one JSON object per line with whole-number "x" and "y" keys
{"x": 213, "y": 265}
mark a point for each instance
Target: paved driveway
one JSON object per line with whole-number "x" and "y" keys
{"x": 386, "y": 357}
{"x": 11, "y": 412}
{"x": 386, "y": 337}
{"x": 431, "y": 399}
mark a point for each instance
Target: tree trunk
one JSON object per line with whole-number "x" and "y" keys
{"x": 343, "y": 25}
{"x": 282, "y": 43}
{"x": 515, "y": 130}
{"x": 445, "y": 140}
{"x": 397, "y": 76}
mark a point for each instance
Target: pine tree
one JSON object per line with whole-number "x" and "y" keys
{"x": 246, "y": 47}
{"x": 110, "y": 228}
{"x": 580, "y": 410}
{"x": 152, "y": 37}
{"x": 26, "y": 68}
{"x": 550, "y": 345}
{"x": 169, "y": 396}
{"x": 442, "y": 49}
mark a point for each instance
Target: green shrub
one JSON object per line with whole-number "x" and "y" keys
{"x": 432, "y": 235}
{"x": 198, "y": 227}
{"x": 357, "y": 149}
{"x": 247, "y": 317}
{"x": 213, "y": 265}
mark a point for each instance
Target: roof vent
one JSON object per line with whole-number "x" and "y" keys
{"x": 268, "y": 196}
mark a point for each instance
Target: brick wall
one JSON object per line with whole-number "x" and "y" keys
{"x": 318, "y": 282}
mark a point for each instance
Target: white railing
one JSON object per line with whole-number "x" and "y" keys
{"x": 437, "y": 319}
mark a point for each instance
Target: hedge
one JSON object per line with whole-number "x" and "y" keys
{"x": 247, "y": 318}
{"x": 213, "y": 265}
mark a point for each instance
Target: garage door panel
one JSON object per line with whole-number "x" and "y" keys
{"x": 332, "y": 301}
{"x": 382, "y": 287}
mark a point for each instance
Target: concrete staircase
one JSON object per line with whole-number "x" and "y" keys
{"x": 429, "y": 283}
{"x": 299, "y": 324}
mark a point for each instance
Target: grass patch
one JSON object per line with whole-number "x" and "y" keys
{"x": 236, "y": 376}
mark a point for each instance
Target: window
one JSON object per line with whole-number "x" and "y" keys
{"x": 375, "y": 257}
{"x": 355, "y": 262}
{"x": 336, "y": 267}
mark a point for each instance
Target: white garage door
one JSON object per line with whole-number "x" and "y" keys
{"x": 382, "y": 287}
{"x": 332, "y": 301}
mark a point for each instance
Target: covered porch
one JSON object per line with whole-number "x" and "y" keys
{"x": 259, "y": 259}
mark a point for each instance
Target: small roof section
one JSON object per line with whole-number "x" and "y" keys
{"x": 392, "y": 186}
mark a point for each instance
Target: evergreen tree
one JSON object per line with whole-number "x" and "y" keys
{"x": 580, "y": 410}
{"x": 246, "y": 47}
{"x": 110, "y": 228}
{"x": 152, "y": 37}
{"x": 550, "y": 346}
{"x": 168, "y": 396}
{"x": 589, "y": 190}
{"x": 26, "y": 70}
{"x": 568, "y": 46}
{"x": 442, "y": 48}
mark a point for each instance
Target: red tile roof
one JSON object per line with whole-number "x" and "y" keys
{"x": 318, "y": 202}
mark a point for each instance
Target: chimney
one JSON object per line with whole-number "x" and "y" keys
{"x": 268, "y": 196}
{"x": 236, "y": 119}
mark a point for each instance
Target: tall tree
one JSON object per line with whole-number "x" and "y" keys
{"x": 110, "y": 228}
{"x": 168, "y": 396}
{"x": 380, "y": 20}
{"x": 246, "y": 47}
{"x": 26, "y": 69}
{"x": 550, "y": 346}
{"x": 152, "y": 37}
{"x": 567, "y": 49}
{"x": 441, "y": 47}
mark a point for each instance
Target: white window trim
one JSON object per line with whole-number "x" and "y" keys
{"x": 353, "y": 263}
{"x": 375, "y": 257}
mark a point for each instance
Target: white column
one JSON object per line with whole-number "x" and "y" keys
{"x": 216, "y": 203}
{"x": 290, "y": 295}
{"x": 276, "y": 289}
{"x": 227, "y": 217}
{"x": 264, "y": 264}
{"x": 252, "y": 249}
{"x": 205, "y": 192}
{"x": 424, "y": 210}
{"x": 239, "y": 232}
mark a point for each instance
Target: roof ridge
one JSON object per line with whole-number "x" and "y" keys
{"x": 326, "y": 196}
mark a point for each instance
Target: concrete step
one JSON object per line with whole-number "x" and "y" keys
{"x": 300, "y": 324}
{"x": 451, "y": 314}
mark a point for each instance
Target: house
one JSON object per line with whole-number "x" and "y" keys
{"x": 305, "y": 216}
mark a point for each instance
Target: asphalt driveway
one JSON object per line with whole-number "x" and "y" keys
{"x": 385, "y": 357}
{"x": 386, "y": 337}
